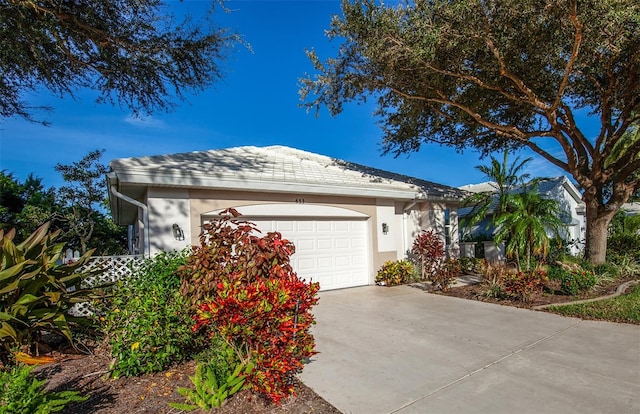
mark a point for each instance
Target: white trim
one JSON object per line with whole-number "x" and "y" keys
{"x": 293, "y": 210}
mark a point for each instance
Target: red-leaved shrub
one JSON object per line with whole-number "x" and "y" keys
{"x": 522, "y": 285}
{"x": 429, "y": 249}
{"x": 248, "y": 292}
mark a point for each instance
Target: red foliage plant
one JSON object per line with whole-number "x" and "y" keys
{"x": 429, "y": 248}
{"x": 247, "y": 291}
{"x": 522, "y": 285}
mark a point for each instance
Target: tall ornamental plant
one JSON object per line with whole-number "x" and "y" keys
{"x": 243, "y": 288}
{"x": 35, "y": 291}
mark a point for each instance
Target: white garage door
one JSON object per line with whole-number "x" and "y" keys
{"x": 330, "y": 251}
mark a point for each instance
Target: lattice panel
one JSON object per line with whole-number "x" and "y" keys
{"x": 114, "y": 268}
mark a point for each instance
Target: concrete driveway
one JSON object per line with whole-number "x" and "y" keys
{"x": 402, "y": 350}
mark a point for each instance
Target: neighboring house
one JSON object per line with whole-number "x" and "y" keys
{"x": 560, "y": 189}
{"x": 631, "y": 208}
{"x": 345, "y": 219}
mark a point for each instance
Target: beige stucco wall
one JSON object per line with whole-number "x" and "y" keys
{"x": 189, "y": 207}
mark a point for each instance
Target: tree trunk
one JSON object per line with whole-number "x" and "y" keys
{"x": 598, "y": 219}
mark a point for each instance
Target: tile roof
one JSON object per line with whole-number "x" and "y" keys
{"x": 275, "y": 168}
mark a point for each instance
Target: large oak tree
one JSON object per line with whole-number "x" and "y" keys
{"x": 497, "y": 74}
{"x": 133, "y": 52}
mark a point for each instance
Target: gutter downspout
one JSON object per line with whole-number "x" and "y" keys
{"x": 145, "y": 216}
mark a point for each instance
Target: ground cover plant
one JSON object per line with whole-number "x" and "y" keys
{"x": 21, "y": 393}
{"x": 624, "y": 308}
{"x": 566, "y": 280}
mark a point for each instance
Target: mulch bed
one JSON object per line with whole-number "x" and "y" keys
{"x": 149, "y": 394}
{"x": 550, "y": 295}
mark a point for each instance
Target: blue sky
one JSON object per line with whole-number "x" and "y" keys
{"x": 257, "y": 103}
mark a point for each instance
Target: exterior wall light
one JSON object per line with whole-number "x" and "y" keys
{"x": 385, "y": 228}
{"x": 178, "y": 233}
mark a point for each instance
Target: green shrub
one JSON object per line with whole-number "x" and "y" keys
{"x": 395, "y": 272}
{"x": 623, "y": 246}
{"x": 254, "y": 299}
{"x": 471, "y": 265}
{"x": 573, "y": 280}
{"x": 220, "y": 355}
{"x": 21, "y": 393}
{"x": 34, "y": 289}
{"x": 147, "y": 322}
{"x": 559, "y": 250}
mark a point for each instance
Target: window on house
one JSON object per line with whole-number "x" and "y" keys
{"x": 447, "y": 227}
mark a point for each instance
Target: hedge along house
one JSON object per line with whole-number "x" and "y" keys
{"x": 345, "y": 219}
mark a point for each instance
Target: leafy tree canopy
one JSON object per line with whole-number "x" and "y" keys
{"x": 24, "y": 205}
{"x": 131, "y": 51}
{"x": 494, "y": 75}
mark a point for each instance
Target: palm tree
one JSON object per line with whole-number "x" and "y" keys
{"x": 525, "y": 223}
{"x": 504, "y": 179}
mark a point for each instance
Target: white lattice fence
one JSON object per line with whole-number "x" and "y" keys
{"x": 113, "y": 268}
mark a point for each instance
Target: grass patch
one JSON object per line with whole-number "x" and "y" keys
{"x": 624, "y": 308}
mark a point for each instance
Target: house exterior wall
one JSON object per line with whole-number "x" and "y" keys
{"x": 189, "y": 207}
{"x": 431, "y": 216}
{"x": 576, "y": 223}
{"x": 168, "y": 206}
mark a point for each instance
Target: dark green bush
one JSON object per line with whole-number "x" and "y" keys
{"x": 574, "y": 280}
{"x": 623, "y": 247}
{"x": 558, "y": 250}
{"x": 21, "y": 393}
{"x": 395, "y": 272}
{"x": 471, "y": 265}
{"x": 147, "y": 323}
{"x": 219, "y": 356}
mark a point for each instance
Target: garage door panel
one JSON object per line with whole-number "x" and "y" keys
{"x": 304, "y": 245}
{"x": 306, "y": 263}
{"x": 341, "y": 226}
{"x": 331, "y": 252}
{"x": 283, "y": 226}
{"x": 341, "y": 243}
{"x": 304, "y": 226}
{"x": 343, "y": 261}
{"x": 325, "y": 263}
{"x": 325, "y": 244}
